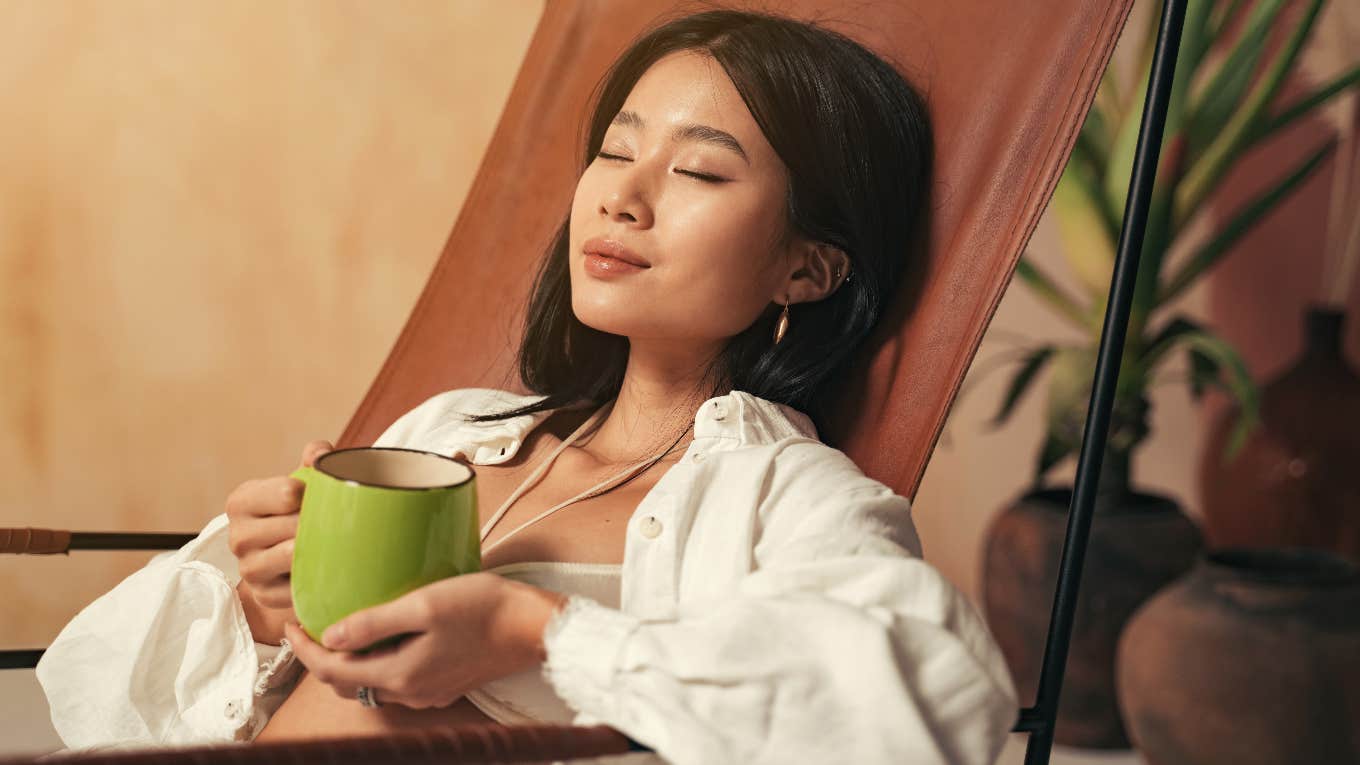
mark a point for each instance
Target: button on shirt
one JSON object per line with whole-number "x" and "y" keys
{"x": 775, "y": 608}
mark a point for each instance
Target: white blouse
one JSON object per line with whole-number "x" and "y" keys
{"x": 526, "y": 698}
{"x": 775, "y": 608}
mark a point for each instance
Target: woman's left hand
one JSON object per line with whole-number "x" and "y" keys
{"x": 462, "y": 632}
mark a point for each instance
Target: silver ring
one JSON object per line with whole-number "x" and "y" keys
{"x": 367, "y": 696}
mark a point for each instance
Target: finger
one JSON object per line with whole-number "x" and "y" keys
{"x": 263, "y": 566}
{"x": 265, "y": 532}
{"x": 409, "y": 613}
{"x": 342, "y": 669}
{"x": 389, "y": 675}
{"x": 385, "y": 697}
{"x": 305, "y": 649}
{"x": 315, "y": 449}
{"x": 277, "y": 594}
{"x": 266, "y": 497}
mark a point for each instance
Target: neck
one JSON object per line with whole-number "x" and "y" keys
{"x": 661, "y": 390}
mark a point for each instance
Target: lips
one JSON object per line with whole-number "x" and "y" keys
{"x": 612, "y": 248}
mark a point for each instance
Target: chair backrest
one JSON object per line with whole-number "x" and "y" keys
{"x": 1008, "y": 85}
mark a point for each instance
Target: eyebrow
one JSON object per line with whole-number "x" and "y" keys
{"x": 688, "y": 131}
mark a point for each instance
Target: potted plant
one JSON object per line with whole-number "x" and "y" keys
{"x": 1229, "y": 75}
{"x": 1294, "y": 483}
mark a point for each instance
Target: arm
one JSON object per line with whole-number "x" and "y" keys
{"x": 842, "y": 645}
{"x": 165, "y": 657}
{"x": 181, "y": 651}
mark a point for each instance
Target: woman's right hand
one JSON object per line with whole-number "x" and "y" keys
{"x": 262, "y": 519}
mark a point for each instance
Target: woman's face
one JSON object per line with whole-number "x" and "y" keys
{"x": 687, "y": 183}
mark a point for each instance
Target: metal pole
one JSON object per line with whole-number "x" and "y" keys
{"x": 20, "y": 659}
{"x": 1107, "y": 374}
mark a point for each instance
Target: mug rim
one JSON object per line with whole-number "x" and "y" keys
{"x": 316, "y": 465}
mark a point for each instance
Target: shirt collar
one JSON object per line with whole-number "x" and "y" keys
{"x": 740, "y": 418}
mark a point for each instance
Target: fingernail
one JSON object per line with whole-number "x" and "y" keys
{"x": 334, "y": 636}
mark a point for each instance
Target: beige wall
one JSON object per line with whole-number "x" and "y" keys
{"x": 214, "y": 218}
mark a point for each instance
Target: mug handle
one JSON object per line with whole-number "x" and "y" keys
{"x": 303, "y": 474}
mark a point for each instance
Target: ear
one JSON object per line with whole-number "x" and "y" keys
{"x": 819, "y": 269}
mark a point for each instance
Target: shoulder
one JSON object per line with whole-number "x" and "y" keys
{"x": 780, "y": 442}
{"x": 817, "y": 493}
{"x": 816, "y": 469}
{"x": 752, "y": 420}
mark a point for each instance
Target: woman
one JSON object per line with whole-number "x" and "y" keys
{"x": 668, "y": 548}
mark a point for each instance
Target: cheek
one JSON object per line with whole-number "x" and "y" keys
{"x": 722, "y": 247}
{"x": 581, "y": 209}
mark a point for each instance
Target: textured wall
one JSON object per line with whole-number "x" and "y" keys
{"x": 214, "y": 218}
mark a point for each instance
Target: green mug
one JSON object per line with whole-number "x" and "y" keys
{"x": 375, "y": 524}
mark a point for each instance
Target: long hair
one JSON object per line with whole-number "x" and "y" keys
{"x": 856, "y": 140}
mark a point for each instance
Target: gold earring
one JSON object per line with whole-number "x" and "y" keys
{"x": 782, "y": 325}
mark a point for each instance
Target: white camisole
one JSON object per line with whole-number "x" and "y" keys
{"x": 525, "y": 697}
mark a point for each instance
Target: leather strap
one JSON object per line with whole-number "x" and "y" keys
{"x": 455, "y": 744}
{"x": 29, "y": 541}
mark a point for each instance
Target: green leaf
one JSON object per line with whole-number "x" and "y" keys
{"x": 1071, "y": 372}
{"x": 1048, "y": 291}
{"x": 1204, "y": 372}
{"x": 1120, "y": 165}
{"x": 1206, "y": 172}
{"x": 1052, "y": 452}
{"x": 1223, "y": 14}
{"x": 1223, "y": 93}
{"x": 1093, "y": 142}
{"x": 1124, "y": 148}
{"x": 1088, "y": 244}
{"x": 1105, "y": 103}
{"x": 1147, "y": 48}
{"x": 1306, "y": 104}
{"x": 1198, "y": 17}
{"x": 1162, "y": 342}
{"x": 1020, "y": 383}
{"x": 1161, "y": 345}
{"x": 1242, "y": 221}
{"x": 1234, "y": 378}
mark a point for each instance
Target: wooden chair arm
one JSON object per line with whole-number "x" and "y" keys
{"x": 450, "y": 745}
{"x": 30, "y": 541}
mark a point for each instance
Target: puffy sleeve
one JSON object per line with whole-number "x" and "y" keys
{"x": 841, "y": 645}
{"x": 166, "y": 657}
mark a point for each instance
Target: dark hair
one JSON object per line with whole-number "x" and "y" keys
{"x": 856, "y": 140}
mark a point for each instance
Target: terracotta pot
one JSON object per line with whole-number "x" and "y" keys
{"x": 1295, "y": 483}
{"x": 1253, "y": 657}
{"x": 1138, "y": 544}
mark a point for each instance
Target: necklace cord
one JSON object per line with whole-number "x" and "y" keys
{"x": 627, "y": 475}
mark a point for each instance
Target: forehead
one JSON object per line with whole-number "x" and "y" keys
{"x": 691, "y": 87}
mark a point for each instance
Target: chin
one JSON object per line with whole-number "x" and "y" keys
{"x": 614, "y": 319}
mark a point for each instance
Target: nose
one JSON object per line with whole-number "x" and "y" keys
{"x": 624, "y": 200}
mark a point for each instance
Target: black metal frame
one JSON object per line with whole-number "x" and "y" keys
{"x": 1038, "y": 720}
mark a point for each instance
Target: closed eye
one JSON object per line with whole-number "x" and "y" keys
{"x": 705, "y": 177}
